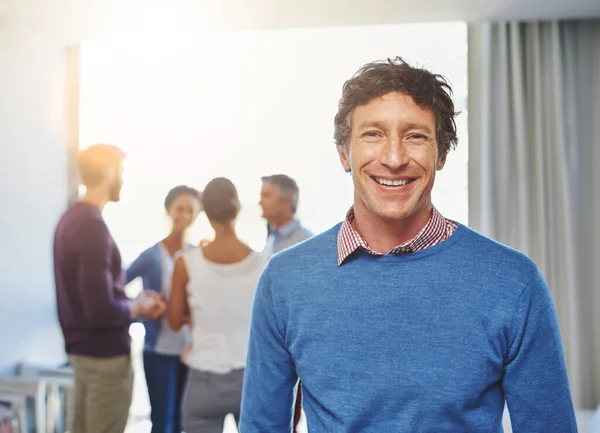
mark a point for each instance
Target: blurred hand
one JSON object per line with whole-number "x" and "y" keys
{"x": 150, "y": 304}
{"x": 185, "y": 351}
{"x": 159, "y": 304}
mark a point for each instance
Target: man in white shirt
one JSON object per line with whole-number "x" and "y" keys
{"x": 279, "y": 200}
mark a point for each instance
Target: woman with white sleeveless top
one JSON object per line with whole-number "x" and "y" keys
{"x": 215, "y": 285}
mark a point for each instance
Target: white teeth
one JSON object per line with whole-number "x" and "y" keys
{"x": 389, "y": 182}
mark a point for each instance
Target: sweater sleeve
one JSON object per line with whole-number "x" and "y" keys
{"x": 96, "y": 284}
{"x": 136, "y": 269}
{"x": 270, "y": 374}
{"x": 535, "y": 377}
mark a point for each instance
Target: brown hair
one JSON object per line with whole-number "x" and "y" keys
{"x": 220, "y": 200}
{"x": 379, "y": 78}
{"x": 94, "y": 162}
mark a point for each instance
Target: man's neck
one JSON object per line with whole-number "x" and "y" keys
{"x": 280, "y": 222}
{"x": 383, "y": 235}
{"x": 95, "y": 198}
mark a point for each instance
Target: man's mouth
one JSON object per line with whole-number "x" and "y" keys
{"x": 393, "y": 182}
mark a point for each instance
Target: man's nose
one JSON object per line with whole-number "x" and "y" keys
{"x": 394, "y": 154}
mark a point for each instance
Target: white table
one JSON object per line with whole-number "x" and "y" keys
{"x": 45, "y": 391}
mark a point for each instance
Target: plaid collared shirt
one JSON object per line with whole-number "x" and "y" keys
{"x": 437, "y": 230}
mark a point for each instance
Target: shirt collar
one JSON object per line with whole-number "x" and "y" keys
{"x": 349, "y": 240}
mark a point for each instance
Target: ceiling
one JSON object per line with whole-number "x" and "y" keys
{"x": 73, "y": 20}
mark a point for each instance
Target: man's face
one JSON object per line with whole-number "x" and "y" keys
{"x": 272, "y": 203}
{"x": 115, "y": 182}
{"x": 393, "y": 155}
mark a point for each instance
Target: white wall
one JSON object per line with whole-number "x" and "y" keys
{"x": 33, "y": 192}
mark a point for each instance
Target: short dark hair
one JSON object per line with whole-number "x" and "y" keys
{"x": 379, "y": 78}
{"x": 93, "y": 162}
{"x": 287, "y": 187}
{"x": 220, "y": 200}
{"x": 179, "y": 191}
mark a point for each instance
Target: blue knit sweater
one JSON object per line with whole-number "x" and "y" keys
{"x": 433, "y": 341}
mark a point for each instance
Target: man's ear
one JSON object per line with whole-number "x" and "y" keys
{"x": 441, "y": 162}
{"x": 344, "y": 155}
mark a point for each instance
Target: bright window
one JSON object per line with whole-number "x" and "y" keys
{"x": 244, "y": 105}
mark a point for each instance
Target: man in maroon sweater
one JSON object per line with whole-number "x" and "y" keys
{"x": 93, "y": 310}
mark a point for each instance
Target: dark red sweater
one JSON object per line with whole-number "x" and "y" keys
{"x": 92, "y": 307}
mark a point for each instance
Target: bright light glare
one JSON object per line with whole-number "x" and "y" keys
{"x": 245, "y": 105}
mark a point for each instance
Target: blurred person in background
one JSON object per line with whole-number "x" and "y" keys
{"x": 164, "y": 371}
{"x": 279, "y": 198}
{"x": 93, "y": 311}
{"x": 215, "y": 282}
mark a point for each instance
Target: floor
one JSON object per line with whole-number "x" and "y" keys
{"x": 139, "y": 417}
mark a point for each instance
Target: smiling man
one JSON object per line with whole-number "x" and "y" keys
{"x": 398, "y": 319}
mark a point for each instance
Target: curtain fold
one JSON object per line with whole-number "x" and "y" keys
{"x": 534, "y": 91}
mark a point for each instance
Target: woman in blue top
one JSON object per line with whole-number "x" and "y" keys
{"x": 165, "y": 373}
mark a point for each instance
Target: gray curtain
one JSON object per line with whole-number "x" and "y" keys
{"x": 534, "y": 134}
